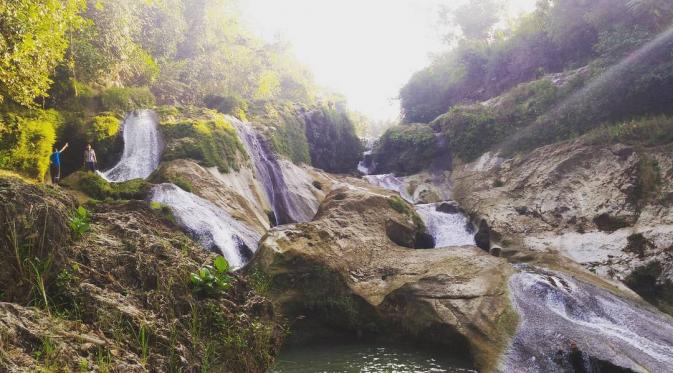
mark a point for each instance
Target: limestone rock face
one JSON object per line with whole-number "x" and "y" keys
{"x": 242, "y": 195}
{"x": 343, "y": 261}
{"x": 592, "y": 203}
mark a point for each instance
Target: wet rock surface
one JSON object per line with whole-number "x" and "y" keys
{"x": 582, "y": 200}
{"x": 344, "y": 265}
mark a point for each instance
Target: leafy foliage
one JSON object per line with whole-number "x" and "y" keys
{"x": 333, "y": 144}
{"x": 212, "y": 280}
{"x": 26, "y": 141}
{"x": 80, "y": 222}
{"x": 33, "y": 40}
{"x": 96, "y": 187}
{"x": 560, "y": 34}
{"x": 123, "y": 100}
{"x": 405, "y": 149}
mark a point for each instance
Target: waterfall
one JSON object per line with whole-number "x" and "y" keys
{"x": 447, "y": 228}
{"x": 269, "y": 173}
{"x": 214, "y": 228}
{"x": 559, "y": 313}
{"x": 365, "y": 165}
{"x": 142, "y": 148}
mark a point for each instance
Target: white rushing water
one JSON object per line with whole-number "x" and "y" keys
{"x": 365, "y": 165}
{"x": 268, "y": 172}
{"x": 142, "y": 148}
{"x": 447, "y": 229}
{"x": 214, "y": 228}
{"x": 557, "y": 311}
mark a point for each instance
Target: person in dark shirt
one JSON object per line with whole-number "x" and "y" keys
{"x": 55, "y": 160}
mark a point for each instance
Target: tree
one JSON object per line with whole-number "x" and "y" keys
{"x": 33, "y": 40}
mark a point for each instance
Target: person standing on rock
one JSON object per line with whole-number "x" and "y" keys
{"x": 90, "y": 160}
{"x": 55, "y": 162}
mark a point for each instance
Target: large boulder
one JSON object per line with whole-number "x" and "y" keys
{"x": 608, "y": 207}
{"x": 344, "y": 270}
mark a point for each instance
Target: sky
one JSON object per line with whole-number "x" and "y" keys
{"x": 364, "y": 49}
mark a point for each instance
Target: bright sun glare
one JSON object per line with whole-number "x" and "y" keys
{"x": 363, "y": 49}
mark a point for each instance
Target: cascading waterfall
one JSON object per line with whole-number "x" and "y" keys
{"x": 268, "y": 172}
{"x": 142, "y": 148}
{"x": 214, "y": 228}
{"x": 365, "y": 165}
{"x": 447, "y": 228}
{"x": 560, "y": 314}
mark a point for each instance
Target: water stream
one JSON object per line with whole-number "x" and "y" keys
{"x": 142, "y": 147}
{"x": 447, "y": 228}
{"x": 268, "y": 172}
{"x": 559, "y": 313}
{"x": 358, "y": 357}
{"x": 212, "y": 226}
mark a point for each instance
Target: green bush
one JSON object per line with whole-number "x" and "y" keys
{"x": 96, "y": 187}
{"x": 228, "y": 104}
{"x": 27, "y": 140}
{"x": 334, "y": 146}
{"x": 212, "y": 280}
{"x": 123, "y": 100}
{"x": 103, "y": 127}
{"x": 406, "y": 149}
{"x": 80, "y": 222}
{"x": 204, "y": 136}
{"x": 647, "y": 132}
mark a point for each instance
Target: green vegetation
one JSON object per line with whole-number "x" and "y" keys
{"x": 96, "y": 187}
{"x": 286, "y": 130}
{"x": 405, "y": 149}
{"x": 27, "y": 140}
{"x": 33, "y": 38}
{"x": 559, "y": 37}
{"x": 333, "y": 144}
{"x": 212, "y": 280}
{"x": 202, "y": 135}
{"x": 123, "y": 100}
{"x": 401, "y": 206}
{"x": 80, "y": 222}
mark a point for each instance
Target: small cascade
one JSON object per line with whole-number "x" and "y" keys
{"x": 447, "y": 228}
{"x": 365, "y": 165}
{"x": 269, "y": 173}
{"x": 568, "y": 325}
{"x": 214, "y": 228}
{"x": 142, "y": 148}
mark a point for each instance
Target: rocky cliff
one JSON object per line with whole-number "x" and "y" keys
{"x": 607, "y": 207}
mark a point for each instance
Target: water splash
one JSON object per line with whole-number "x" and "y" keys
{"x": 447, "y": 229}
{"x": 142, "y": 148}
{"x": 212, "y": 226}
{"x": 557, "y": 311}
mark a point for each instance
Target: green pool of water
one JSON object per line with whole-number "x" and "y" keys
{"x": 366, "y": 358}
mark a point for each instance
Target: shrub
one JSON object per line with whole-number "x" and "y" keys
{"x": 212, "y": 280}
{"x": 96, "y": 187}
{"x": 80, "y": 222}
{"x": 406, "y": 149}
{"x": 204, "y": 136}
{"x": 647, "y": 132}
{"x": 228, "y": 104}
{"x": 333, "y": 144}
{"x": 102, "y": 127}
{"x": 27, "y": 140}
{"x": 123, "y": 100}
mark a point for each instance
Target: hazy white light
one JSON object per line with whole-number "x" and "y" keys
{"x": 364, "y": 49}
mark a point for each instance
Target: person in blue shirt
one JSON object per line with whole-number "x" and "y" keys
{"x": 55, "y": 160}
